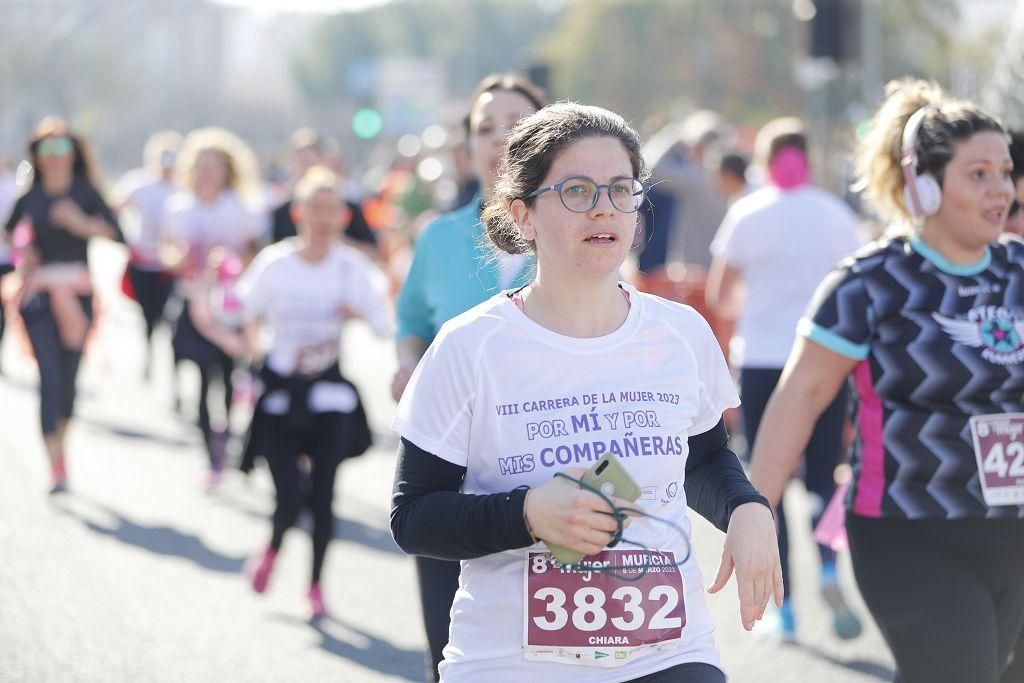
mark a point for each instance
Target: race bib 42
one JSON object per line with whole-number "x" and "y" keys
{"x": 999, "y": 450}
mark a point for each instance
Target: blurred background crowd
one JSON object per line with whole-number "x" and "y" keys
{"x": 384, "y": 83}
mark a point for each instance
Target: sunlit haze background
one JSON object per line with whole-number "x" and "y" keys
{"x": 120, "y": 69}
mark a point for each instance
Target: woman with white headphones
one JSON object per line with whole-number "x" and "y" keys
{"x": 929, "y": 327}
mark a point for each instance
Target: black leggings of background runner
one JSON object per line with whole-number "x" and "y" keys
{"x": 296, "y": 489}
{"x": 58, "y": 366}
{"x": 824, "y": 451}
{"x": 224, "y": 366}
{"x": 948, "y": 595}
{"x": 188, "y": 344}
{"x": 152, "y": 289}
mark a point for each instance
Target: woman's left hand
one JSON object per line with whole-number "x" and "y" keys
{"x": 752, "y": 548}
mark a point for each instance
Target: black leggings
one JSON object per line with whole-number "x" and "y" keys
{"x": 294, "y": 488}
{"x": 58, "y": 366}
{"x": 223, "y": 367}
{"x": 948, "y": 595}
{"x": 152, "y": 289}
{"x": 212, "y": 362}
{"x": 691, "y": 672}
{"x": 438, "y": 580}
{"x": 824, "y": 451}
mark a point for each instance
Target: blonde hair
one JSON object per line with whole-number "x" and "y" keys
{"x": 243, "y": 170}
{"x": 314, "y": 180}
{"x": 878, "y": 155}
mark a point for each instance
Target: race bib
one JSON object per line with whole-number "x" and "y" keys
{"x": 313, "y": 359}
{"x": 594, "y": 618}
{"x": 999, "y": 450}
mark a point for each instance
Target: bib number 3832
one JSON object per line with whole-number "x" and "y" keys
{"x": 597, "y": 619}
{"x": 999, "y": 450}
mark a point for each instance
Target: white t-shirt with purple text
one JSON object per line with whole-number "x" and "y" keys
{"x": 514, "y": 402}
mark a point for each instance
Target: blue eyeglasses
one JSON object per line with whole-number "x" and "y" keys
{"x": 580, "y": 194}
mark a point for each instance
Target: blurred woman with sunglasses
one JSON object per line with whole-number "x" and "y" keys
{"x": 65, "y": 211}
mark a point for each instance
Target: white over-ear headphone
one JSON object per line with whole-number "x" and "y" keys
{"x": 921, "y": 194}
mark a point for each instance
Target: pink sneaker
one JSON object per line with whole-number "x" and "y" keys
{"x": 316, "y": 602}
{"x": 58, "y": 479}
{"x": 259, "y": 573}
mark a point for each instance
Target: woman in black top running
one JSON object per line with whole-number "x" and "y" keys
{"x": 65, "y": 211}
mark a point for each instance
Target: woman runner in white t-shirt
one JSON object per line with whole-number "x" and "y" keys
{"x": 301, "y": 291}
{"x": 547, "y": 379}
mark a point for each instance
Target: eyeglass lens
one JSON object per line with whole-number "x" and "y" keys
{"x": 581, "y": 194}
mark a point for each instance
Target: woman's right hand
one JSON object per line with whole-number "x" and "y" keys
{"x": 562, "y": 513}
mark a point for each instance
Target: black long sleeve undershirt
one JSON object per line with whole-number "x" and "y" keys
{"x": 715, "y": 482}
{"x": 430, "y": 516}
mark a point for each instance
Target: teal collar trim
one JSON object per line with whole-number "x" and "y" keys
{"x": 944, "y": 264}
